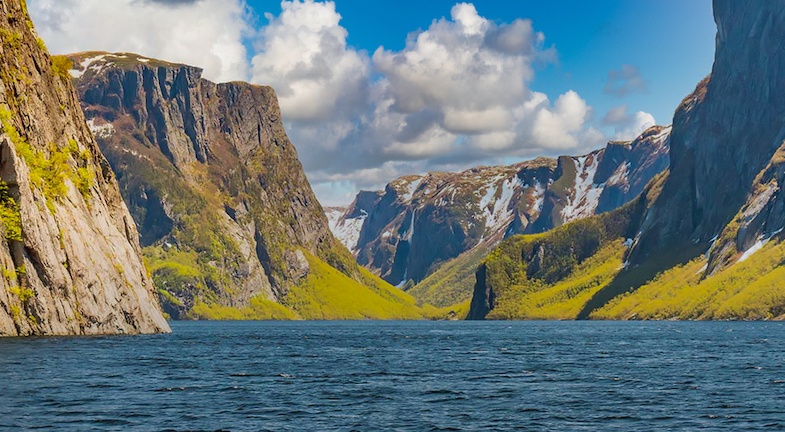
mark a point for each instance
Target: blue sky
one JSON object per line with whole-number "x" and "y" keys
{"x": 670, "y": 41}
{"x": 371, "y": 90}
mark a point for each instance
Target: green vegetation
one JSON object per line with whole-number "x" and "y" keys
{"x": 455, "y": 312}
{"x": 49, "y": 170}
{"x": 176, "y": 272}
{"x": 327, "y": 293}
{"x": 10, "y": 214}
{"x": 451, "y": 283}
{"x": 11, "y": 38}
{"x": 533, "y": 299}
{"x": 554, "y": 275}
{"x": 9, "y": 274}
{"x": 751, "y": 289}
{"x": 260, "y": 309}
{"x": 61, "y": 65}
{"x": 24, "y": 294}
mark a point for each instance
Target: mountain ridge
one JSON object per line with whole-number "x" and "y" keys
{"x": 229, "y": 224}
{"x": 464, "y": 215}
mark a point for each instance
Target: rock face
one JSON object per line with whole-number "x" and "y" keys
{"x": 418, "y": 223}
{"x": 720, "y": 203}
{"x": 727, "y": 144}
{"x": 222, "y": 203}
{"x": 69, "y": 249}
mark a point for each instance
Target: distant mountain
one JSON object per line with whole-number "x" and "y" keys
{"x": 418, "y": 224}
{"x": 229, "y": 224}
{"x": 705, "y": 240}
{"x": 69, "y": 251}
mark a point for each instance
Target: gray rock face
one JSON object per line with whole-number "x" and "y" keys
{"x": 725, "y": 143}
{"x": 69, "y": 251}
{"x": 211, "y": 179}
{"x": 418, "y": 223}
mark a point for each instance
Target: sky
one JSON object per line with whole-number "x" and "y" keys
{"x": 372, "y": 90}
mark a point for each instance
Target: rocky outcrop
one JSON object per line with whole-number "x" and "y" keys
{"x": 222, "y": 203}
{"x": 724, "y": 182}
{"x": 418, "y": 223}
{"x": 69, "y": 249}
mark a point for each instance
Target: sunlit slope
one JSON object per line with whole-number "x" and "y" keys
{"x": 752, "y": 289}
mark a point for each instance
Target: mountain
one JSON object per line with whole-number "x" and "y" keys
{"x": 432, "y": 231}
{"x": 229, "y": 224}
{"x": 69, "y": 249}
{"x": 705, "y": 241}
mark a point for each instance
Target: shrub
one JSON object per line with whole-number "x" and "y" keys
{"x": 61, "y": 65}
{"x": 9, "y": 214}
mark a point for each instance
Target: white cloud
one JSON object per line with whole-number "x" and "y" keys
{"x": 302, "y": 53}
{"x": 205, "y": 33}
{"x": 457, "y": 95}
{"x": 627, "y": 126}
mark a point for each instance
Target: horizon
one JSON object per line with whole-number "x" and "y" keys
{"x": 505, "y": 82}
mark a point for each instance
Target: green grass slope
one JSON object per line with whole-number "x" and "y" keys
{"x": 453, "y": 282}
{"x": 752, "y": 289}
{"x": 327, "y": 294}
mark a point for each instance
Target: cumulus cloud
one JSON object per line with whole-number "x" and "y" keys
{"x": 205, "y": 33}
{"x": 624, "y": 81}
{"x": 627, "y": 126}
{"x": 303, "y": 54}
{"x": 457, "y": 95}
{"x": 460, "y": 91}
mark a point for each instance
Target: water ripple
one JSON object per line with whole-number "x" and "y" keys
{"x": 419, "y": 376}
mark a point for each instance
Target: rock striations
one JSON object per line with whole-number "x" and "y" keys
{"x": 226, "y": 215}
{"x": 69, "y": 250}
{"x": 418, "y": 223}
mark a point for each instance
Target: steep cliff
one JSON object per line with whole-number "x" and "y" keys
{"x": 708, "y": 243}
{"x": 432, "y": 231}
{"x": 69, "y": 249}
{"x": 226, "y": 215}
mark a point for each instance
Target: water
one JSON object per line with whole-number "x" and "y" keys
{"x": 419, "y": 376}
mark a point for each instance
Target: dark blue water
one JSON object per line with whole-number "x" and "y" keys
{"x": 418, "y": 376}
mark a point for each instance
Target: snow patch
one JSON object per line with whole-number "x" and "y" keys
{"x": 757, "y": 246}
{"x": 498, "y": 213}
{"x": 87, "y": 64}
{"x": 585, "y": 194}
{"x": 621, "y": 174}
{"x": 538, "y": 195}
{"x": 347, "y": 231}
{"x": 410, "y": 189}
{"x": 664, "y": 134}
{"x": 105, "y": 130}
{"x": 754, "y": 248}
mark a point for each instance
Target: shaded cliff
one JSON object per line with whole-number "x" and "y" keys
{"x": 225, "y": 212}
{"x": 431, "y": 231}
{"x": 708, "y": 243}
{"x": 69, "y": 249}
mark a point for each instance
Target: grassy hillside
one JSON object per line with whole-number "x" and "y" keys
{"x": 327, "y": 293}
{"x": 534, "y": 299}
{"x": 752, "y": 289}
{"x": 453, "y": 282}
{"x": 554, "y": 275}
